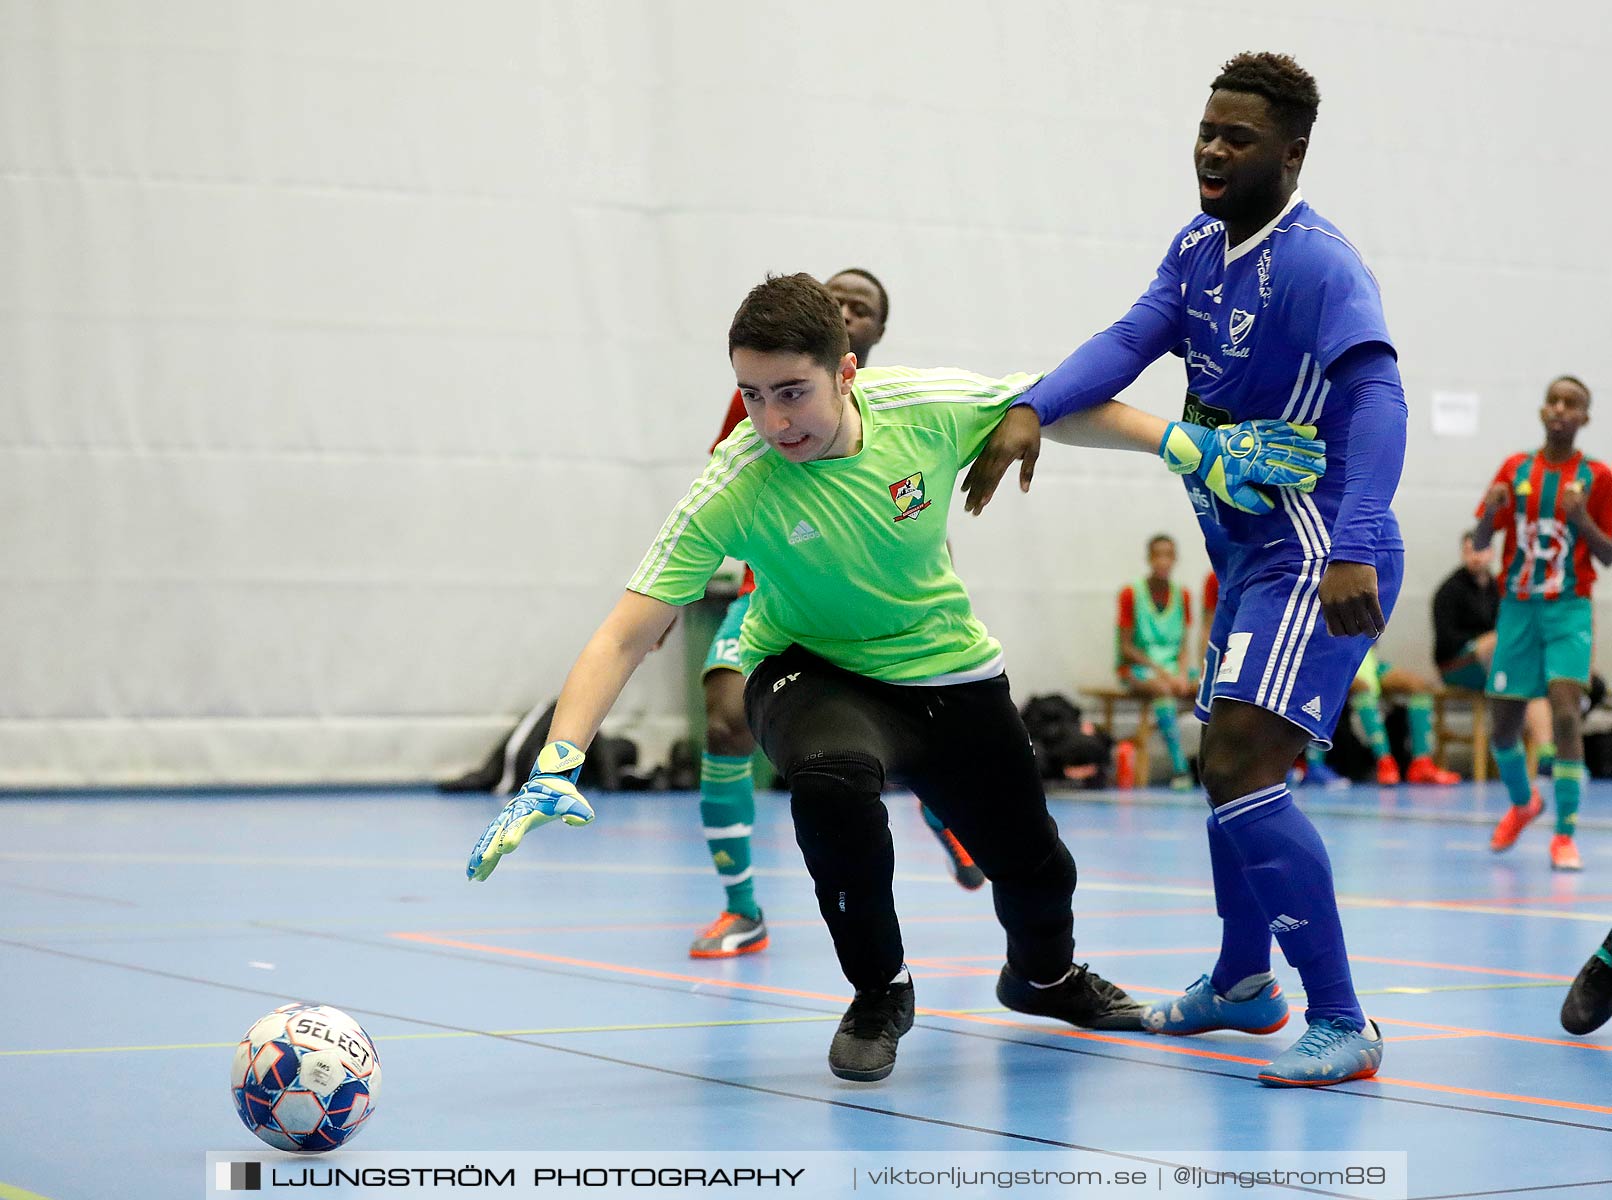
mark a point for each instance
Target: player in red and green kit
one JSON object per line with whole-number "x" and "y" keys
{"x": 1555, "y": 506}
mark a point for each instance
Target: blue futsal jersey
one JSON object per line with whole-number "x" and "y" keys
{"x": 1257, "y": 328}
{"x": 1261, "y": 325}
{"x": 1260, "y": 329}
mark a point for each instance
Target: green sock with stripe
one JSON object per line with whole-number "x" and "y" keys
{"x": 1419, "y": 709}
{"x": 1513, "y": 764}
{"x": 1545, "y": 757}
{"x": 1371, "y": 722}
{"x": 1568, "y": 780}
{"x": 728, "y": 810}
{"x": 1605, "y": 952}
{"x": 1164, "y": 714}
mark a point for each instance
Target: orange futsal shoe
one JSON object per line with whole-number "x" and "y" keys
{"x": 729, "y": 936}
{"x": 1564, "y": 854}
{"x": 1387, "y": 771}
{"x": 1423, "y": 769}
{"x": 1510, "y": 826}
{"x": 964, "y": 868}
{"x": 1125, "y": 765}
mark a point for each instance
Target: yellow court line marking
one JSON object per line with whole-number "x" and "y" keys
{"x": 455, "y": 1033}
{"x": 12, "y": 1192}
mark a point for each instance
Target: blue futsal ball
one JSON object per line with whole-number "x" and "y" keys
{"x": 305, "y": 1077}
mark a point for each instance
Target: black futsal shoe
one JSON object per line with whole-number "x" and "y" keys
{"x": 1589, "y": 1000}
{"x": 1083, "y": 998}
{"x": 864, "y": 1046}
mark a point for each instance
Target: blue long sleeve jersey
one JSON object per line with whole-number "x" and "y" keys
{"x": 1288, "y": 324}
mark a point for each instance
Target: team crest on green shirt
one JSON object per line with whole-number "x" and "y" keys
{"x": 908, "y": 494}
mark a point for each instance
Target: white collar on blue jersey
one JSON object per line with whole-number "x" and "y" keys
{"x": 1233, "y": 255}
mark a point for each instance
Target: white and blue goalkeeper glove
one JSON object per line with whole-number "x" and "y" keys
{"x": 1236, "y": 461}
{"x": 549, "y": 794}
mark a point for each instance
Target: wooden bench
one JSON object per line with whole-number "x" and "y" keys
{"x": 1446, "y": 701}
{"x": 1478, "y": 738}
{"x": 1111, "y": 699}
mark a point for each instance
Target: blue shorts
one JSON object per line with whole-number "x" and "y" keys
{"x": 1269, "y": 645}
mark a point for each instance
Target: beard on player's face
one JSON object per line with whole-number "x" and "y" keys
{"x": 1253, "y": 191}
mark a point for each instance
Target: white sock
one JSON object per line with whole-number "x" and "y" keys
{"x": 902, "y": 976}
{"x": 1055, "y": 982}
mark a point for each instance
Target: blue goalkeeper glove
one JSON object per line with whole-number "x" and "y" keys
{"x": 1236, "y": 461}
{"x": 549, "y": 794}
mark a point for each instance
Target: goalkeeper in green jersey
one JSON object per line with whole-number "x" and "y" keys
{"x": 864, "y": 658}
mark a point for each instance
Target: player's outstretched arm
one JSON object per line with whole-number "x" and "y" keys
{"x": 1234, "y": 461}
{"x": 612, "y": 654}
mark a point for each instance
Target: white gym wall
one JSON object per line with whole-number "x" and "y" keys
{"x": 351, "y": 352}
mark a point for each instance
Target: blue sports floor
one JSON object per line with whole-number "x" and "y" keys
{"x": 556, "y": 1006}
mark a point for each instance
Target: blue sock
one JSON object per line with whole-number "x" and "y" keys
{"x": 1287, "y": 869}
{"x": 1245, "y": 936}
{"x": 1164, "y": 714}
{"x": 1513, "y": 764}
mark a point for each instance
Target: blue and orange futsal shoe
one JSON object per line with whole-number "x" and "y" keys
{"x": 1203, "y": 1009}
{"x": 1331, "y": 1051}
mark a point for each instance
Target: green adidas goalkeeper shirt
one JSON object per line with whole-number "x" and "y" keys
{"x": 849, "y": 553}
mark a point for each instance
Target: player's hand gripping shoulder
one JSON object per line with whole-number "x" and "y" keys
{"x": 1016, "y": 439}
{"x": 1235, "y": 462}
{"x": 548, "y": 795}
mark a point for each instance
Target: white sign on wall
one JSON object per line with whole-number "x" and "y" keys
{"x": 1455, "y": 414}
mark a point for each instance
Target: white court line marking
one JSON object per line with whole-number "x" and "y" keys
{"x": 616, "y": 868}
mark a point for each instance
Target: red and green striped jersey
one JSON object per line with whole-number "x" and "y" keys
{"x": 1545, "y": 558}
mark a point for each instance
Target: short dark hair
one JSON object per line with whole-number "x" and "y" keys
{"x": 1287, "y": 87}
{"x": 791, "y": 314}
{"x": 1156, "y": 539}
{"x": 1572, "y": 379}
{"x": 884, "y": 296}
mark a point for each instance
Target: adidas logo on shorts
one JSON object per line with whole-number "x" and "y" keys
{"x": 1313, "y": 708}
{"x": 1286, "y": 924}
